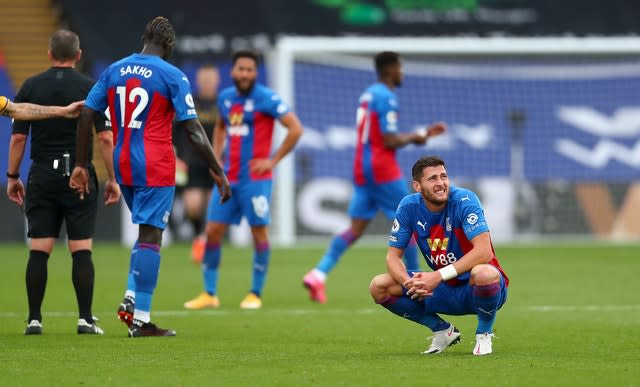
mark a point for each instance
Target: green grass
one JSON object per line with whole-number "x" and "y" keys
{"x": 572, "y": 318}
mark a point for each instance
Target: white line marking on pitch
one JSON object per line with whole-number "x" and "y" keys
{"x": 303, "y": 312}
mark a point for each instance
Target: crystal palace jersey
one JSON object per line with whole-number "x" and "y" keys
{"x": 377, "y": 116}
{"x": 249, "y": 120}
{"x": 443, "y": 237}
{"x": 143, "y": 94}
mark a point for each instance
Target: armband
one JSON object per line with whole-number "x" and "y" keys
{"x": 448, "y": 272}
{"x": 13, "y": 175}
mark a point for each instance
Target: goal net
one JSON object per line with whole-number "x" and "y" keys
{"x": 546, "y": 131}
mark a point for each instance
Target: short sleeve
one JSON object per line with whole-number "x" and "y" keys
{"x": 181, "y": 97}
{"x": 401, "y": 228}
{"x": 22, "y": 127}
{"x": 472, "y": 216}
{"x": 275, "y": 106}
{"x": 387, "y": 109}
{"x": 97, "y": 98}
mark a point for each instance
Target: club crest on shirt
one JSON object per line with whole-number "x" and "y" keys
{"x": 248, "y": 105}
{"x": 396, "y": 226}
{"x": 448, "y": 224}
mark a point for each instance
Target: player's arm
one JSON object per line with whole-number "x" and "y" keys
{"x": 31, "y": 112}
{"x": 79, "y": 180}
{"x": 219, "y": 135}
{"x": 395, "y": 265}
{"x": 419, "y": 137}
{"x": 105, "y": 143}
{"x": 198, "y": 139}
{"x": 294, "y": 131}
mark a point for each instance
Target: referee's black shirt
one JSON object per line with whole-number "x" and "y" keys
{"x": 51, "y": 138}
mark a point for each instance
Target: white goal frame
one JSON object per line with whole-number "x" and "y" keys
{"x": 280, "y": 62}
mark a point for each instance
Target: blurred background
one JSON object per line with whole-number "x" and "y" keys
{"x": 541, "y": 98}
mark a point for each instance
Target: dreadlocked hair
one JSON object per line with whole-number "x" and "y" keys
{"x": 159, "y": 31}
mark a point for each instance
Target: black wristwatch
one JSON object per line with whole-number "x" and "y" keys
{"x": 13, "y": 175}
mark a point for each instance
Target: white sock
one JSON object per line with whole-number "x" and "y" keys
{"x": 141, "y": 315}
{"x": 320, "y": 276}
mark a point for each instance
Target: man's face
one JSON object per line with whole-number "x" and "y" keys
{"x": 397, "y": 75}
{"x": 207, "y": 80}
{"x": 244, "y": 74}
{"x": 434, "y": 185}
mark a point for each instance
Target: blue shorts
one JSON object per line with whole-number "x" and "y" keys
{"x": 251, "y": 200}
{"x": 149, "y": 205}
{"x": 368, "y": 199}
{"x": 457, "y": 300}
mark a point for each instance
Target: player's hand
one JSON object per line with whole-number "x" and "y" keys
{"x": 223, "y": 186}
{"x": 423, "y": 134}
{"x": 15, "y": 191}
{"x": 260, "y": 166}
{"x": 72, "y": 110}
{"x": 181, "y": 166}
{"x": 79, "y": 181}
{"x": 111, "y": 192}
{"x": 421, "y": 285}
{"x": 436, "y": 129}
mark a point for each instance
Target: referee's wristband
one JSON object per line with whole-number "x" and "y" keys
{"x": 448, "y": 272}
{"x": 13, "y": 175}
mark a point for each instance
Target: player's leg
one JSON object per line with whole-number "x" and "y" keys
{"x": 488, "y": 294}
{"x": 392, "y": 296}
{"x": 80, "y": 220}
{"x": 387, "y": 197}
{"x": 151, "y": 208}
{"x": 44, "y": 220}
{"x": 255, "y": 200}
{"x": 127, "y": 306}
{"x": 219, "y": 215}
{"x": 361, "y": 210}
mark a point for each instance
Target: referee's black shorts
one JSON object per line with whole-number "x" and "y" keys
{"x": 49, "y": 201}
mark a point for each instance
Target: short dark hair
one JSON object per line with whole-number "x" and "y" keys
{"x": 64, "y": 45}
{"x": 383, "y": 60}
{"x": 159, "y": 31}
{"x": 429, "y": 161}
{"x": 245, "y": 54}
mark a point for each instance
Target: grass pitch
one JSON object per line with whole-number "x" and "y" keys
{"x": 572, "y": 318}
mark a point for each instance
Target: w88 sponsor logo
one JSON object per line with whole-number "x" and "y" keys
{"x": 442, "y": 260}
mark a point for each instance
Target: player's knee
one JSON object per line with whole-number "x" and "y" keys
{"x": 215, "y": 232}
{"x": 484, "y": 275}
{"x": 378, "y": 287}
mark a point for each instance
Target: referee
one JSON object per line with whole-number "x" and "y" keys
{"x": 49, "y": 200}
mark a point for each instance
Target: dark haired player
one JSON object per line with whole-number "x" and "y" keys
{"x": 378, "y": 183}
{"x": 452, "y": 233}
{"x": 248, "y": 112}
{"x": 144, "y": 93}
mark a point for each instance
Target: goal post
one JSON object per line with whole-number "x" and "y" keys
{"x": 551, "y": 122}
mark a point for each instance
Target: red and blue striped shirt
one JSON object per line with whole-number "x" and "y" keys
{"x": 143, "y": 94}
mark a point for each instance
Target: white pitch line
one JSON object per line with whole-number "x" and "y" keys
{"x": 362, "y": 311}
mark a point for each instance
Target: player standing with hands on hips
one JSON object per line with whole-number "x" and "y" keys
{"x": 378, "y": 183}
{"x": 247, "y": 115}
{"x": 453, "y": 235}
{"x": 144, "y": 93}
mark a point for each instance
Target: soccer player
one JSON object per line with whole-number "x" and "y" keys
{"x": 48, "y": 199}
{"x": 33, "y": 112}
{"x": 378, "y": 183}
{"x": 144, "y": 93}
{"x": 247, "y": 116}
{"x": 453, "y": 235}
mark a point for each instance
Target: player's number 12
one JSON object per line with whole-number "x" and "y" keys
{"x": 143, "y": 100}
